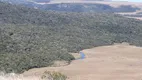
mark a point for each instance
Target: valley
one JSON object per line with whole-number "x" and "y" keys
{"x": 119, "y": 62}
{"x": 76, "y": 39}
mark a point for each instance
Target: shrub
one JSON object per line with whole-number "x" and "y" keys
{"x": 47, "y": 75}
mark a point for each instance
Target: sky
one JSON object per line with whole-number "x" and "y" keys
{"x": 129, "y": 0}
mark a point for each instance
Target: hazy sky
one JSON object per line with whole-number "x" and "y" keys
{"x": 129, "y": 0}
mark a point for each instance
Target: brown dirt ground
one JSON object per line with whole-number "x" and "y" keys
{"x": 115, "y": 62}
{"x": 139, "y": 18}
{"x": 112, "y": 3}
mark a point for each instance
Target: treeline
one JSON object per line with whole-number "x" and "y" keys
{"x": 31, "y": 38}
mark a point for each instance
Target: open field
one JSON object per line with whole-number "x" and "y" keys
{"x": 112, "y": 3}
{"x": 116, "y": 62}
{"x": 139, "y": 18}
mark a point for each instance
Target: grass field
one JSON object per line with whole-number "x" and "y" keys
{"x": 114, "y": 62}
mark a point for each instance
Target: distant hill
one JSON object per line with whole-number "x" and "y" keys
{"x": 41, "y": 1}
{"x": 15, "y": 1}
{"x": 81, "y": 7}
{"x": 76, "y": 6}
{"x": 32, "y": 38}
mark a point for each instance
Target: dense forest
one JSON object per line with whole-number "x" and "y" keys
{"x": 83, "y": 7}
{"x": 31, "y": 38}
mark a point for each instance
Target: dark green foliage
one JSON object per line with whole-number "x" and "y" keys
{"x": 76, "y": 7}
{"x": 80, "y": 7}
{"x": 126, "y": 8}
{"x": 31, "y": 38}
{"x": 22, "y": 62}
{"x": 16, "y": 1}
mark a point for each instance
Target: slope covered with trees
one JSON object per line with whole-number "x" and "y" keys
{"x": 31, "y": 38}
{"x": 86, "y": 7}
{"x": 74, "y": 7}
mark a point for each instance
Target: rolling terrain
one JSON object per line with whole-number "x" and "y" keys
{"x": 32, "y": 38}
{"x": 127, "y": 9}
{"x": 119, "y": 62}
{"x": 81, "y": 5}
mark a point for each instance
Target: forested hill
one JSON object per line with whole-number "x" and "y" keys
{"x": 31, "y": 38}
{"x": 86, "y": 7}
{"x": 75, "y": 7}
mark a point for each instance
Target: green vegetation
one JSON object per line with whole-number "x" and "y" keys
{"x": 86, "y": 7}
{"x": 47, "y": 75}
{"x": 31, "y": 38}
{"x": 75, "y": 7}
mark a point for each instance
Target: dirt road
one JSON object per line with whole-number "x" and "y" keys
{"x": 116, "y": 62}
